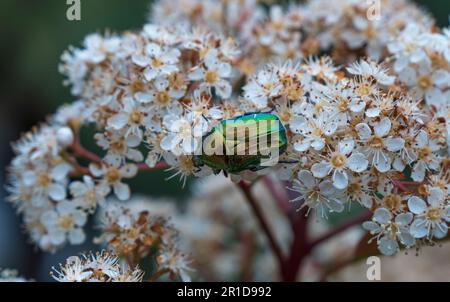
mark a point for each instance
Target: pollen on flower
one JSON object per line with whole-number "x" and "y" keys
{"x": 338, "y": 160}
{"x": 392, "y": 202}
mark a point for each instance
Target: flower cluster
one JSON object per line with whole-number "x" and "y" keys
{"x": 410, "y": 220}
{"x": 358, "y": 140}
{"x": 346, "y": 29}
{"x": 133, "y": 235}
{"x": 98, "y": 267}
{"x": 39, "y": 176}
{"x": 422, "y": 62}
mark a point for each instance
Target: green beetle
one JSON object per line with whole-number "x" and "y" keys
{"x": 248, "y": 142}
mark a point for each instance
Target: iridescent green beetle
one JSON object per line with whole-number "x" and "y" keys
{"x": 248, "y": 142}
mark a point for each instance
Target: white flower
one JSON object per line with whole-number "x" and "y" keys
{"x": 313, "y": 130}
{"x": 321, "y": 196}
{"x": 213, "y": 75}
{"x": 176, "y": 262}
{"x": 45, "y": 182}
{"x": 426, "y": 82}
{"x": 131, "y": 119}
{"x": 427, "y": 158}
{"x": 368, "y": 69}
{"x": 431, "y": 217}
{"x": 98, "y": 267}
{"x": 129, "y": 275}
{"x": 106, "y": 265}
{"x": 165, "y": 92}
{"x": 345, "y": 102}
{"x": 117, "y": 149}
{"x": 377, "y": 146}
{"x": 322, "y": 67}
{"x": 86, "y": 194}
{"x": 65, "y": 222}
{"x": 262, "y": 86}
{"x": 111, "y": 176}
{"x": 98, "y": 48}
{"x": 339, "y": 162}
{"x": 359, "y": 189}
{"x": 158, "y": 61}
{"x": 72, "y": 271}
{"x": 184, "y": 133}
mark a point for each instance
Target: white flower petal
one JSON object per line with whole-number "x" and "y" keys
{"x": 440, "y": 230}
{"x": 394, "y": 144}
{"x": 340, "y": 179}
{"x": 57, "y": 192}
{"x": 140, "y": 60}
{"x": 320, "y": 170}
{"x": 364, "y": 131}
{"x": 372, "y": 227}
{"x": 383, "y": 164}
{"x": 357, "y": 162}
{"x": 382, "y": 216}
{"x": 418, "y": 229}
{"x": 327, "y": 188}
{"x": 306, "y": 178}
{"x": 416, "y": 205}
{"x": 118, "y": 121}
{"x": 76, "y": 236}
{"x": 382, "y": 128}
{"x": 435, "y": 197}
{"x": 57, "y": 237}
{"x": 346, "y": 146}
{"x": 406, "y": 239}
{"x": 404, "y": 219}
{"x": 421, "y": 139}
{"x": 418, "y": 172}
{"x": 122, "y": 191}
{"x": 335, "y": 205}
{"x": 387, "y": 246}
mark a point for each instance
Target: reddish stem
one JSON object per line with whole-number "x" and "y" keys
{"x": 399, "y": 184}
{"x": 80, "y": 151}
{"x": 159, "y": 166}
{"x": 279, "y": 195}
{"x": 263, "y": 223}
{"x": 299, "y": 248}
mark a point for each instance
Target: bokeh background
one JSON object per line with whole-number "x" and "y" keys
{"x": 33, "y": 34}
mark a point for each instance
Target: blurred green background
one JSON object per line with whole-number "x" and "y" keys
{"x": 33, "y": 34}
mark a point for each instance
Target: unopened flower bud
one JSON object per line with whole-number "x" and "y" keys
{"x": 64, "y": 136}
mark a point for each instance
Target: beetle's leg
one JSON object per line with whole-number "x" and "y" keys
{"x": 254, "y": 169}
{"x": 288, "y": 161}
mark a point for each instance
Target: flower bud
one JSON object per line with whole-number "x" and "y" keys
{"x": 64, "y": 136}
